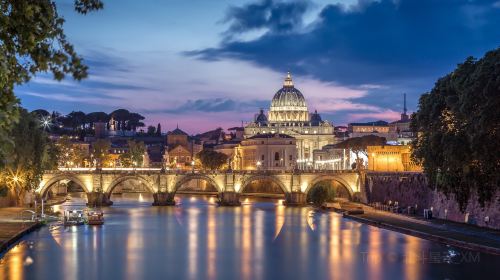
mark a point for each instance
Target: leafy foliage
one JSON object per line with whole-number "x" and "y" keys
{"x": 69, "y": 154}
{"x": 100, "y": 152}
{"x": 31, "y": 154}
{"x": 321, "y": 193}
{"x": 134, "y": 155}
{"x": 212, "y": 160}
{"x": 458, "y": 130}
{"x": 32, "y": 40}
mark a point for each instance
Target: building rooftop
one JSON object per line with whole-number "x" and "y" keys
{"x": 376, "y": 123}
{"x": 270, "y": 135}
{"x": 177, "y": 131}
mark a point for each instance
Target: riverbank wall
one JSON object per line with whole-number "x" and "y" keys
{"x": 412, "y": 189}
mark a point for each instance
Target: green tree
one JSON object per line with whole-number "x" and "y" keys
{"x": 321, "y": 193}
{"x": 458, "y": 130}
{"x": 69, "y": 154}
{"x": 134, "y": 155}
{"x": 100, "y": 152}
{"x": 32, "y": 40}
{"x": 212, "y": 160}
{"x": 31, "y": 154}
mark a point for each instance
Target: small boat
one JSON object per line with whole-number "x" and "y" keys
{"x": 73, "y": 217}
{"x": 95, "y": 217}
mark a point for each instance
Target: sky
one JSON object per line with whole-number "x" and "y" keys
{"x": 204, "y": 64}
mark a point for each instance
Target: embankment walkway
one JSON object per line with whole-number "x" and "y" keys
{"x": 448, "y": 232}
{"x": 12, "y": 227}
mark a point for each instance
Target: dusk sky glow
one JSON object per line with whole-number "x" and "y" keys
{"x": 204, "y": 64}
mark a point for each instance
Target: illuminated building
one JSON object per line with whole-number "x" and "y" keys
{"x": 289, "y": 115}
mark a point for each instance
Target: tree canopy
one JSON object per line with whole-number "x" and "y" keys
{"x": 212, "y": 160}
{"x": 32, "y": 40}
{"x": 458, "y": 130}
{"x": 31, "y": 154}
{"x": 134, "y": 156}
{"x": 321, "y": 193}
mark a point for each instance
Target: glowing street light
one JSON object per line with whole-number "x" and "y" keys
{"x": 45, "y": 122}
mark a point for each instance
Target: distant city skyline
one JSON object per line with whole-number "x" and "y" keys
{"x": 205, "y": 64}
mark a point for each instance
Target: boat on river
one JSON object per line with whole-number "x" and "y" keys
{"x": 73, "y": 217}
{"x": 95, "y": 217}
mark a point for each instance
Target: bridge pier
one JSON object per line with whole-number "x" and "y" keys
{"x": 163, "y": 199}
{"x": 98, "y": 199}
{"x": 229, "y": 198}
{"x": 295, "y": 199}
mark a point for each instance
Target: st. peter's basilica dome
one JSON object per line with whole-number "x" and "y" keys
{"x": 288, "y": 104}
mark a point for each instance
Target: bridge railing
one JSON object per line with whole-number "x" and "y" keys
{"x": 148, "y": 170}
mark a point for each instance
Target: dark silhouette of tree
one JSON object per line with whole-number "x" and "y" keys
{"x": 458, "y": 130}
{"x": 134, "y": 121}
{"x": 94, "y": 117}
{"x": 41, "y": 113}
{"x": 158, "y": 130}
{"x": 151, "y": 130}
{"x": 121, "y": 116}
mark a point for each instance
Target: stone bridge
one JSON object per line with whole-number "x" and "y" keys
{"x": 99, "y": 184}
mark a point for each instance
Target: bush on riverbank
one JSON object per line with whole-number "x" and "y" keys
{"x": 321, "y": 193}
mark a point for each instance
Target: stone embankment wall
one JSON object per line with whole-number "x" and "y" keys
{"x": 410, "y": 189}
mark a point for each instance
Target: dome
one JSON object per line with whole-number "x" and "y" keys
{"x": 288, "y": 104}
{"x": 261, "y": 118}
{"x": 315, "y": 119}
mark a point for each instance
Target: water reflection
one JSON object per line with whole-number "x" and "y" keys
{"x": 259, "y": 240}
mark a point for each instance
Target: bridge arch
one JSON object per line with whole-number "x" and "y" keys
{"x": 147, "y": 183}
{"x": 190, "y": 177}
{"x": 60, "y": 177}
{"x": 272, "y": 178}
{"x": 337, "y": 179}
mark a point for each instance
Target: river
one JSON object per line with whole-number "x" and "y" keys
{"x": 259, "y": 240}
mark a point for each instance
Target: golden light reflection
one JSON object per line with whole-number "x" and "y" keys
{"x": 15, "y": 263}
{"x": 310, "y": 220}
{"x": 304, "y": 233}
{"x": 259, "y": 243}
{"x": 413, "y": 257}
{"x": 334, "y": 257}
{"x": 373, "y": 256}
{"x": 70, "y": 249}
{"x": 135, "y": 241}
{"x": 246, "y": 241}
{"x": 211, "y": 243}
{"x": 192, "y": 221}
{"x": 279, "y": 220}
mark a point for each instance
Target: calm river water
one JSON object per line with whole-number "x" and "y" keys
{"x": 259, "y": 240}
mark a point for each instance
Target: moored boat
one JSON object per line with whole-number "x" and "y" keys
{"x": 73, "y": 217}
{"x": 95, "y": 217}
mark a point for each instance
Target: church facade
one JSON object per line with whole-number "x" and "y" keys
{"x": 289, "y": 115}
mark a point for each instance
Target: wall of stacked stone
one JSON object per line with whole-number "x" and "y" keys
{"x": 410, "y": 189}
